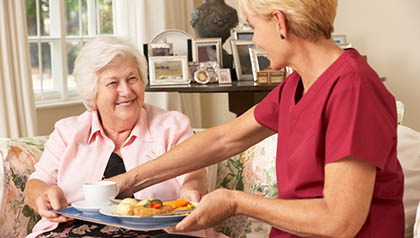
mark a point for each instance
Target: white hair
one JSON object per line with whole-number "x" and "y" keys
{"x": 97, "y": 54}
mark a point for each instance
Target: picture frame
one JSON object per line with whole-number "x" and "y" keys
{"x": 242, "y": 59}
{"x": 201, "y": 76}
{"x": 263, "y": 77}
{"x": 192, "y": 68}
{"x": 278, "y": 76}
{"x": 207, "y": 49}
{"x": 340, "y": 39}
{"x": 345, "y": 46}
{"x": 259, "y": 61}
{"x": 224, "y": 76}
{"x": 242, "y": 34}
{"x": 160, "y": 49}
{"x": 167, "y": 70}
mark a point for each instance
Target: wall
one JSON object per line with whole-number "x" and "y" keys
{"x": 388, "y": 33}
{"x": 46, "y": 117}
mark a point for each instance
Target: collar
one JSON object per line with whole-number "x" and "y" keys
{"x": 140, "y": 130}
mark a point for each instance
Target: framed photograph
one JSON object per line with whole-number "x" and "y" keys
{"x": 345, "y": 46}
{"x": 166, "y": 70}
{"x": 224, "y": 76}
{"x": 241, "y": 58}
{"x": 243, "y": 35}
{"x": 207, "y": 49}
{"x": 263, "y": 77}
{"x": 277, "y": 77}
{"x": 201, "y": 76}
{"x": 340, "y": 39}
{"x": 160, "y": 49}
{"x": 259, "y": 61}
{"x": 192, "y": 68}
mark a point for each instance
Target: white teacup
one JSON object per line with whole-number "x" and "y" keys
{"x": 100, "y": 193}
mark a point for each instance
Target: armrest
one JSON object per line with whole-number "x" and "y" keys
{"x": 18, "y": 157}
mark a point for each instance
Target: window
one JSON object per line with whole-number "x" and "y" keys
{"x": 56, "y": 31}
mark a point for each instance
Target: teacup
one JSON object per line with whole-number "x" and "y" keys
{"x": 100, "y": 193}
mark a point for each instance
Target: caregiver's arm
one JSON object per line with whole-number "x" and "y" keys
{"x": 208, "y": 147}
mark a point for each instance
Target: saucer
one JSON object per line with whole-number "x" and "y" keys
{"x": 86, "y": 207}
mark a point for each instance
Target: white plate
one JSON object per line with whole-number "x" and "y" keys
{"x": 86, "y": 207}
{"x": 179, "y": 40}
{"x": 161, "y": 219}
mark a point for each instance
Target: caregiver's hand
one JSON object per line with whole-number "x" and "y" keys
{"x": 213, "y": 208}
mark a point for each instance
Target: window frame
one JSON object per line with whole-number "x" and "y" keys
{"x": 61, "y": 94}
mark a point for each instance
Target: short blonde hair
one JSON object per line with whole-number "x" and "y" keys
{"x": 97, "y": 54}
{"x": 308, "y": 19}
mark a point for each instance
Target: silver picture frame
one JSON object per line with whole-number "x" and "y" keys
{"x": 168, "y": 70}
{"x": 207, "y": 49}
{"x": 242, "y": 59}
{"x": 259, "y": 61}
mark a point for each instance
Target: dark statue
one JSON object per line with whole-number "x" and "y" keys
{"x": 214, "y": 18}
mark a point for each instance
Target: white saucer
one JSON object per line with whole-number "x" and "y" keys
{"x": 86, "y": 207}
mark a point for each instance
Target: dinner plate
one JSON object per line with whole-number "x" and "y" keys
{"x": 160, "y": 219}
{"x": 178, "y": 38}
{"x": 86, "y": 207}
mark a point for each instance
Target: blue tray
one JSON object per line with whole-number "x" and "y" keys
{"x": 112, "y": 221}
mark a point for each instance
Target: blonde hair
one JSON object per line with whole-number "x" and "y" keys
{"x": 308, "y": 19}
{"x": 97, "y": 54}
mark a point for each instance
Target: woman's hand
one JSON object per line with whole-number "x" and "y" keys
{"x": 42, "y": 197}
{"x": 52, "y": 197}
{"x": 213, "y": 208}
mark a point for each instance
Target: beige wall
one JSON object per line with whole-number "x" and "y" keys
{"x": 46, "y": 117}
{"x": 386, "y": 31}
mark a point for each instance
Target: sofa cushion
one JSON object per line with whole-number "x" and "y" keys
{"x": 17, "y": 160}
{"x": 252, "y": 171}
{"x": 408, "y": 150}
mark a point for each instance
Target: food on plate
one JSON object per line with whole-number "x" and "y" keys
{"x": 151, "y": 207}
{"x": 126, "y": 206}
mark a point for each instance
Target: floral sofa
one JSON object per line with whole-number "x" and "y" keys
{"x": 240, "y": 172}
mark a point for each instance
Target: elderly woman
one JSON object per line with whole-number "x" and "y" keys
{"x": 337, "y": 168}
{"x": 117, "y": 133}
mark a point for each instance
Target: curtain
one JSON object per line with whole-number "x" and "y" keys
{"x": 17, "y": 106}
{"x": 140, "y": 21}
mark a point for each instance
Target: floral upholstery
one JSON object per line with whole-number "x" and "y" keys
{"x": 251, "y": 171}
{"x": 17, "y": 159}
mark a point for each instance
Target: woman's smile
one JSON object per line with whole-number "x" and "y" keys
{"x": 126, "y": 102}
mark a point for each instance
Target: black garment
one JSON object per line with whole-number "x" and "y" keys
{"x": 114, "y": 167}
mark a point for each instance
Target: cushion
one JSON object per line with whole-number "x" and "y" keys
{"x": 252, "y": 171}
{"x": 408, "y": 150}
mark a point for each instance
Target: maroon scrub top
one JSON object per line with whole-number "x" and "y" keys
{"x": 346, "y": 112}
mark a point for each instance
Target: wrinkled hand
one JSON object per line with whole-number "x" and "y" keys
{"x": 53, "y": 198}
{"x": 191, "y": 195}
{"x": 213, "y": 208}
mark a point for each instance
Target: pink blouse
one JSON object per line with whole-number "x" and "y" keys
{"x": 78, "y": 151}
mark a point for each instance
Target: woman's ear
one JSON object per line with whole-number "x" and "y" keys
{"x": 280, "y": 19}
{"x": 92, "y": 104}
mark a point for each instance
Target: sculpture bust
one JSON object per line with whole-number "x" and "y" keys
{"x": 214, "y": 18}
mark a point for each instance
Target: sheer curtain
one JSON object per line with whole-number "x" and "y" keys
{"x": 141, "y": 21}
{"x": 17, "y": 106}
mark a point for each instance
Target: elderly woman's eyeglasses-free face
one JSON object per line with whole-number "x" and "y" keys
{"x": 120, "y": 92}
